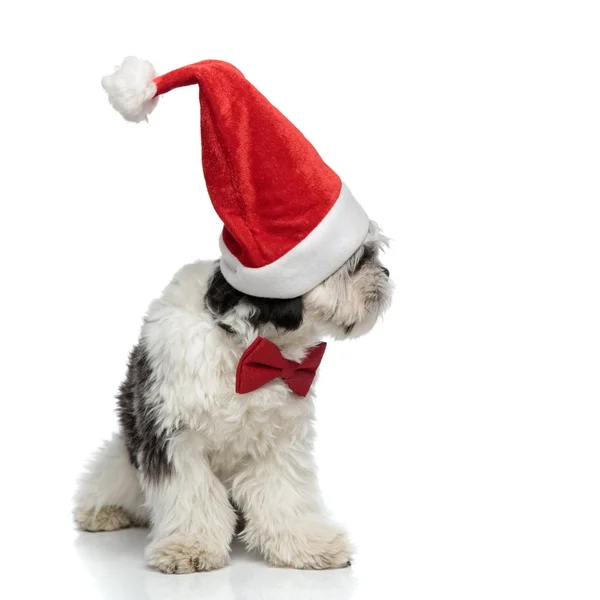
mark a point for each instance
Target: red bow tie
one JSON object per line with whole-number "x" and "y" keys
{"x": 262, "y": 362}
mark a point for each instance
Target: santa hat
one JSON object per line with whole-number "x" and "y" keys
{"x": 289, "y": 220}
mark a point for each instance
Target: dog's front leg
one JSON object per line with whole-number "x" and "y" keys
{"x": 192, "y": 518}
{"x": 285, "y": 518}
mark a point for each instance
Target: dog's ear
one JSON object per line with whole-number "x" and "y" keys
{"x": 221, "y": 298}
{"x": 284, "y": 314}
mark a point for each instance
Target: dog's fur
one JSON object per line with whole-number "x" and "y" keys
{"x": 191, "y": 452}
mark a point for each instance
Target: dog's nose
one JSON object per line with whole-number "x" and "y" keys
{"x": 386, "y": 271}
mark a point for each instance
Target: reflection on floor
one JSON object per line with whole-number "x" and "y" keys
{"x": 116, "y": 561}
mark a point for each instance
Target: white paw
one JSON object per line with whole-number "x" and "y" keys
{"x": 184, "y": 554}
{"x": 107, "y": 518}
{"x": 315, "y": 544}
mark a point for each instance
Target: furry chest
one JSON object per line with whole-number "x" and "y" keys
{"x": 241, "y": 419}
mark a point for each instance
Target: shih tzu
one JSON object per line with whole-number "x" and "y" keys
{"x": 216, "y": 411}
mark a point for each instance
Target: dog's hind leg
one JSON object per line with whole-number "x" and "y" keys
{"x": 108, "y": 495}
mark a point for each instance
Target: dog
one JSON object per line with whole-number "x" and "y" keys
{"x": 193, "y": 457}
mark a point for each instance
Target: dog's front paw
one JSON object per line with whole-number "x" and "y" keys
{"x": 184, "y": 554}
{"x": 314, "y": 544}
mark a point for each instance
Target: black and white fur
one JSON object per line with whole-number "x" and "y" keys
{"x": 190, "y": 451}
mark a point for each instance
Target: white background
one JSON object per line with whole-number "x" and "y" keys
{"x": 466, "y": 464}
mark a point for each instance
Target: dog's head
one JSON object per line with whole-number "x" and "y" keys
{"x": 346, "y": 305}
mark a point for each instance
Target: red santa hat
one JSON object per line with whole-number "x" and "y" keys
{"x": 289, "y": 220}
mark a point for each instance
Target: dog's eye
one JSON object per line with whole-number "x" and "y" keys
{"x": 367, "y": 255}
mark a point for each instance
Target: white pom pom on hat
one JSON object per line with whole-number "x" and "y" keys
{"x": 131, "y": 89}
